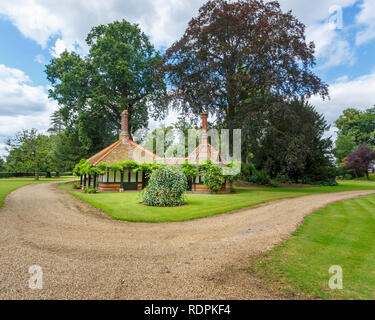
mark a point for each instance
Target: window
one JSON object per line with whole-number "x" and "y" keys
{"x": 133, "y": 177}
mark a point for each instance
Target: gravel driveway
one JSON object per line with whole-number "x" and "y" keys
{"x": 86, "y": 255}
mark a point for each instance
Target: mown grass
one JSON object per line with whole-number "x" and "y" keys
{"x": 341, "y": 234}
{"x": 127, "y": 206}
{"x": 7, "y": 185}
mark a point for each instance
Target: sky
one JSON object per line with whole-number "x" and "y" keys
{"x": 34, "y": 31}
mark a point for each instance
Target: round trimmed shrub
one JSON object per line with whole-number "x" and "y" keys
{"x": 165, "y": 188}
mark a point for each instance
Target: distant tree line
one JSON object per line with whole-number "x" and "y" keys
{"x": 32, "y": 152}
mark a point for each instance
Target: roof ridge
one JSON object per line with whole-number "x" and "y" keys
{"x": 106, "y": 152}
{"x": 101, "y": 151}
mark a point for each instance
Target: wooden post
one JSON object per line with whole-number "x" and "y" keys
{"x": 95, "y": 180}
{"x": 122, "y": 181}
{"x": 84, "y": 180}
{"x": 89, "y": 180}
{"x": 80, "y": 182}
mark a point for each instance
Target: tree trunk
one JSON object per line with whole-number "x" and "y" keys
{"x": 80, "y": 183}
{"x": 48, "y": 174}
{"x": 37, "y": 170}
{"x": 57, "y": 174}
{"x": 367, "y": 175}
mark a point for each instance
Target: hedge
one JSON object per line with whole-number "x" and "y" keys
{"x": 23, "y": 174}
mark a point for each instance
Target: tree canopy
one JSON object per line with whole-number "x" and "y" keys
{"x": 248, "y": 64}
{"x": 118, "y": 73}
{"x": 292, "y": 144}
{"x": 30, "y": 151}
{"x": 359, "y": 161}
{"x": 360, "y": 125}
{"x": 234, "y": 56}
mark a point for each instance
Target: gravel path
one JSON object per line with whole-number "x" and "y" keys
{"x": 86, "y": 255}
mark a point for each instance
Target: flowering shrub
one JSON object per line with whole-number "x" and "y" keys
{"x": 165, "y": 188}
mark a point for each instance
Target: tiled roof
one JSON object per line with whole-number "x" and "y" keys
{"x": 126, "y": 149}
{"x": 123, "y": 149}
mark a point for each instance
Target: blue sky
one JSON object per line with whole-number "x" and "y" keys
{"x": 34, "y": 31}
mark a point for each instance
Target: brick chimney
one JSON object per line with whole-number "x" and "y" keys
{"x": 124, "y": 125}
{"x": 204, "y": 127}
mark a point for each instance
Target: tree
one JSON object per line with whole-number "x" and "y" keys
{"x": 3, "y": 166}
{"x": 359, "y": 161}
{"x": 67, "y": 150}
{"x": 117, "y": 74}
{"x": 29, "y": 152}
{"x": 358, "y": 124}
{"x": 345, "y": 144}
{"x": 293, "y": 144}
{"x": 235, "y": 57}
{"x": 184, "y": 126}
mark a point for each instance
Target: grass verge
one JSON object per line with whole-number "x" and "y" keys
{"x": 341, "y": 234}
{"x": 126, "y": 206}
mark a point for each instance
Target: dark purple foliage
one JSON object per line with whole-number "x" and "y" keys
{"x": 360, "y": 160}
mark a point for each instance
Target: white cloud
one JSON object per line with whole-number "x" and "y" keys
{"x": 330, "y": 45}
{"x": 164, "y": 21}
{"x": 40, "y": 59}
{"x": 311, "y": 12}
{"x": 356, "y": 93}
{"x": 366, "y": 17}
{"x": 34, "y": 20}
{"x": 17, "y": 95}
{"x": 70, "y": 20}
{"x": 330, "y": 42}
{"x": 59, "y": 47}
{"x": 22, "y": 105}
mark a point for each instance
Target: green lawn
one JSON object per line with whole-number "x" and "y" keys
{"x": 126, "y": 206}
{"x": 7, "y": 185}
{"x": 341, "y": 234}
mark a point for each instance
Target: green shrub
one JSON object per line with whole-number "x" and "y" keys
{"x": 76, "y": 186}
{"x": 165, "y": 188}
{"x": 189, "y": 170}
{"x": 212, "y": 176}
{"x": 247, "y": 170}
{"x": 282, "y": 178}
{"x": 324, "y": 175}
{"x": 90, "y": 190}
{"x": 260, "y": 177}
{"x": 324, "y": 183}
{"x": 231, "y": 176}
{"x": 274, "y": 183}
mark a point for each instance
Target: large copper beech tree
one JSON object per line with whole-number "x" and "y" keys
{"x": 236, "y": 56}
